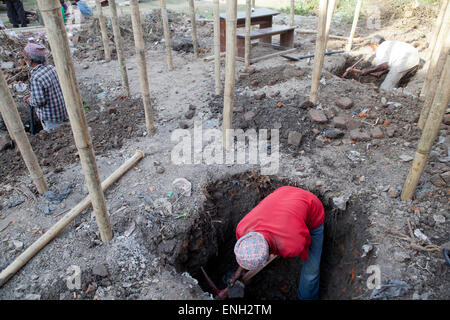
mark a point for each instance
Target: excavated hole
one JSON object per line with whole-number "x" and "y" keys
{"x": 213, "y": 237}
{"x": 351, "y": 60}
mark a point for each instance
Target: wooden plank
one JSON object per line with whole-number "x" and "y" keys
{"x": 258, "y": 33}
{"x": 257, "y": 13}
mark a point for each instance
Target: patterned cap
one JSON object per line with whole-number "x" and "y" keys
{"x": 251, "y": 251}
{"x": 34, "y": 50}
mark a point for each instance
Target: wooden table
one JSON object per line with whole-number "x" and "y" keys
{"x": 261, "y": 16}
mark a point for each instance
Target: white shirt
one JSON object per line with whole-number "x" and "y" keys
{"x": 400, "y": 56}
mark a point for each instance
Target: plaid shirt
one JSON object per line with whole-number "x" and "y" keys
{"x": 46, "y": 95}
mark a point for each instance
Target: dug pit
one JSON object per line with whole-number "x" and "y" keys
{"x": 213, "y": 237}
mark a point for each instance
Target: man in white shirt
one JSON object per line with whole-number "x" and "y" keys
{"x": 396, "y": 58}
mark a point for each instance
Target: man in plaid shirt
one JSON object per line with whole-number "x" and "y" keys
{"x": 46, "y": 95}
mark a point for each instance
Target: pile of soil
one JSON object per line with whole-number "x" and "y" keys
{"x": 121, "y": 120}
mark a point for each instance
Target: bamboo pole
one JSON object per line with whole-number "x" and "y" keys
{"x": 253, "y": 3}
{"x": 165, "y": 22}
{"x": 217, "y": 53}
{"x": 248, "y": 24}
{"x": 250, "y": 274}
{"x": 434, "y": 35}
{"x": 330, "y": 12}
{"x": 103, "y": 30}
{"x": 319, "y": 52}
{"x": 142, "y": 64}
{"x": 59, "y": 43}
{"x": 331, "y": 36}
{"x": 119, "y": 47}
{"x": 230, "y": 70}
{"x": 292, "y": 15}
{"x": 11, "y": 117}
{"x": 436, "y": 66}
{"x": 194, "y": 27}
{"x": 355, "y": 23}
{"x": 429, "y": 133}
{"x": 51, "y": 233}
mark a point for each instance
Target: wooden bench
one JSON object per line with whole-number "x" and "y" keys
{"x": 286, "y": 38}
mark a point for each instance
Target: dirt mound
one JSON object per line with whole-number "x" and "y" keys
{"x": 121, "y": 120}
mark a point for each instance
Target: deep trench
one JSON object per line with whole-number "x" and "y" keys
{"x": 213, "y": 237}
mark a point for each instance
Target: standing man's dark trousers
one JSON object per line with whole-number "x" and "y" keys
{"x": 16, "y": 13}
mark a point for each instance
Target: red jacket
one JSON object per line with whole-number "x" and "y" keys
{"x": 284, "y": 218}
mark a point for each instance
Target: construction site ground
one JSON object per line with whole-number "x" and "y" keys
{"x": 355, "y": 160}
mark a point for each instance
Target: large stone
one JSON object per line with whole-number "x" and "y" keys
{"x": 376, "y": 133}
{"x": 391, "y": 131}
{"x": 344, "y": 103}
{"x": 294, "y": 138}
{"x": 189, "y": 114}
{"x": 359, "y": 135}
{"x": 437, "y": 181}
{"x": 317, "y": 116}
{"x": 333, "y": 133}
{"x": 260, "y": 96}
{"x": 100, "y": 270}
{"x": 353, "y": 124}
{"x": 340, "y": 122}
{"x": 392, "y": 192}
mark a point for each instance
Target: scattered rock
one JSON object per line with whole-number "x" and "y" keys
{"x": 100, "y": 270}
{"x": 384, "y": 102}
{"x": 260, "y": 96}
{"x": 333, "y": 133}
{"x": 5, "y": 142}
{"x": 353, "y": 124}
{"x": 446, "y": 177}
{"x": 401, "y": 256}
{"x": 183, "y": 125}
{"x": 160, "y": 170}
{"x": 390, "y": 131}
{"x": 438, "y": 218}
{"x": 344, "y": 103}
{"x": 317, "y": 116}
{"x": 249, "y": 115}
{"x": 359, "y": 135}
{"x": 405, "y": 157}
{"x": 376, "y": 133}
{"x": 9, "y": 65}
{"x": 294, "y": 138}
{"x": 393, "y": 193}
{"x": 32, "y": 296}
{"x": 446, "y": 119}
{"x": 340, "y": 122}
{"x": 306, "y": 104}
{"x": 437, "y": 180}
{"x": 189, "y": 114}
{"x": 18, "y": 245}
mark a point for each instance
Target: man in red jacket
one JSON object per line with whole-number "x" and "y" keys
{"x": 288, "y": 223}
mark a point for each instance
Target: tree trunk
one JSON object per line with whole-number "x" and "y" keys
{"x": 194, "y": 27}
{"x": 218, "y": 82}
{"x": 59, "y": 43}
{"x": 429, "y": 133}
{"x": 142, "y": 65}
{"x": 319, "y": 52}
{"x": 11, "y": 117}
{"x": 165, "y": 22}
{"x": 104, "y": 31}
{"x": 355, "y": 23}
{"x": 119, "y": 47}
{"x": 230, "y": 70}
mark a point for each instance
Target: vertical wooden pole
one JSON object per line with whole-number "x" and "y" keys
{"x": 330, "y": 12}
{"x": 437, "y": 63}
{"x": 11, "y": 117}
{"x": 59, "y": 43}
{"x": 434, "y": 35}
{"x": 319, "y": 52}
{"x": 292, "y": 15}
{"x": 218, "y": 82}
{"x": 119, "y": 47}
{"x": 429, "y": 133}
{"x": 230, "y": 70}
{"x": 165, "y": 22}
{"x": 142, "y": 64}
{"x": 355, "y": 23}
{"x": 194, "y": 27}
{"x": 248, "y": 17}
{"x": 253, "y": 3}
{"x": 104, "y": 31}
